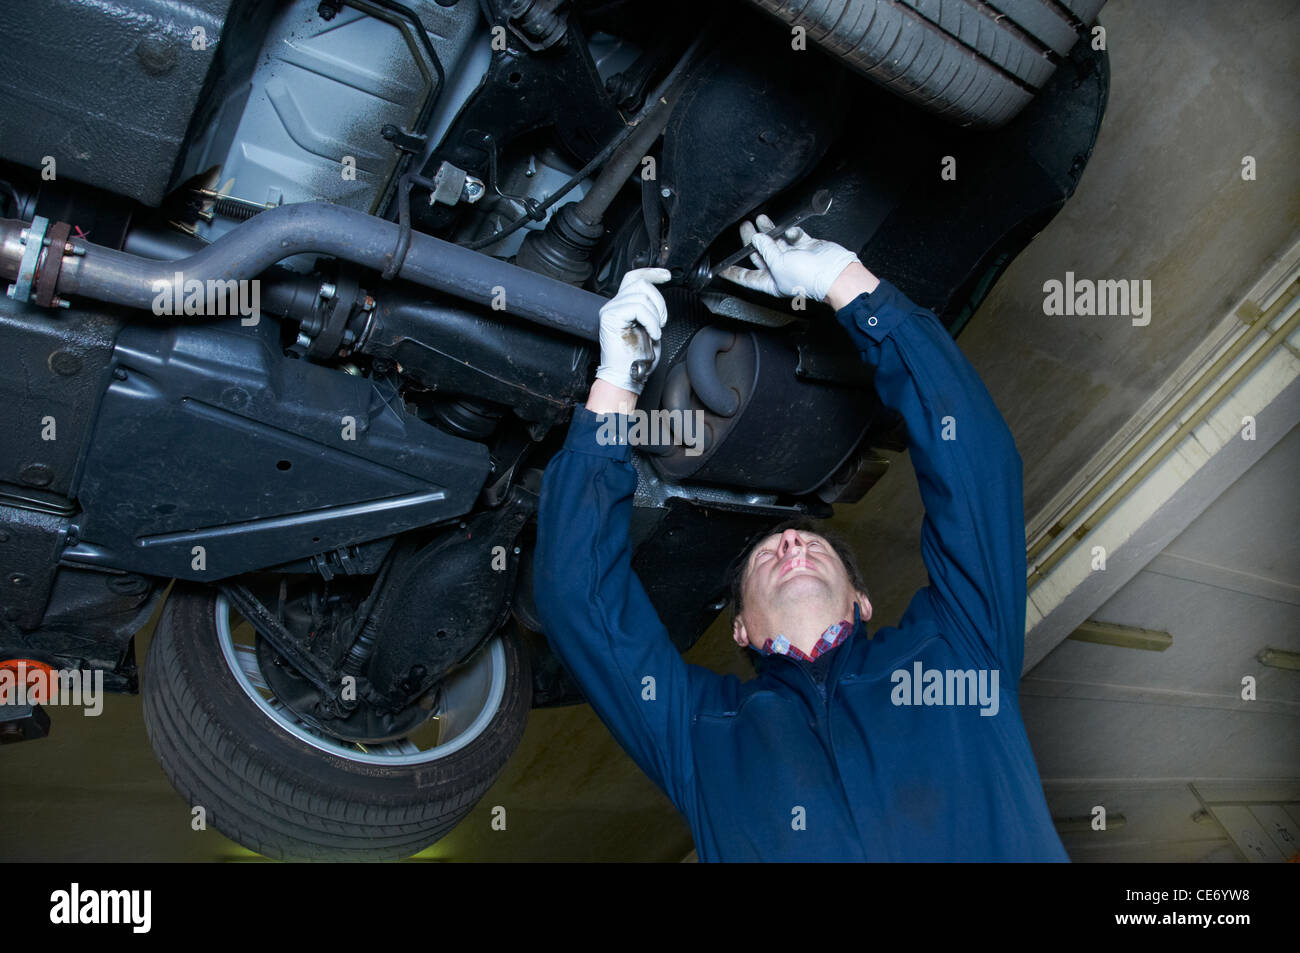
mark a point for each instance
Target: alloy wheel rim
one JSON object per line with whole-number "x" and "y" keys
{"x": 469, "y": 700}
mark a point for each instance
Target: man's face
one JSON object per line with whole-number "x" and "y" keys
{"x": 790, "y": 577}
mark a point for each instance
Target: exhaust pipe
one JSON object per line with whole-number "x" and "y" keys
{"x": 118, "y": 277}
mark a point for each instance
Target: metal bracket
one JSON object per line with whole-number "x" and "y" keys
{"x": 33, "y": 238}
{"x": 403, "y": 141}
{"x": 532, "y": 207}
{"x": 452, "y": 185}
{"x": 729, "y": 306}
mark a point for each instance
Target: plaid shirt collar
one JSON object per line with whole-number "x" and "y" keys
{"x": 833, "y": 636}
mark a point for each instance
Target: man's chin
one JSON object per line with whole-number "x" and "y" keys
{"x": 800, "y": 586}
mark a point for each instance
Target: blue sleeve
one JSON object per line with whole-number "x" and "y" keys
{"x": 968, "y": 468}
{"x": 598, "y": 618}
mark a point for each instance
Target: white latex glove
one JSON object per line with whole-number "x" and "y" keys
{"x": 638, "y": 302}
{"x": 789, "y": 263}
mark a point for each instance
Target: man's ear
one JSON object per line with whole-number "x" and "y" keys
{"x": 738, "y": 632}
{"x": 864, "y": 604}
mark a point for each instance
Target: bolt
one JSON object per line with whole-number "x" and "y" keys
{"x": 328, "y": 291}
{"x": 64, "y": 363}
{"x": 127, "y": 585}
{"x": 303, "y": 341}
{"x": 36, "y": 474}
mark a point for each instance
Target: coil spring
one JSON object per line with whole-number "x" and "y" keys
{"x": 230, "y": 208}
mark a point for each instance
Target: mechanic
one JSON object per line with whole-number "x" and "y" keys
{"x": 845, "y": 746}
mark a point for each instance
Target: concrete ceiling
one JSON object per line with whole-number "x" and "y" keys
{"x": 1141, "y": 732}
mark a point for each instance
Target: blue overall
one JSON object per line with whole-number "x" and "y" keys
{"x": 888, "y": 750}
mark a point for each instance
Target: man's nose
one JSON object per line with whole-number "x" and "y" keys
{"x": 790, "y": 540}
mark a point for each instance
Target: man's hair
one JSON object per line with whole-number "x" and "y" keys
{"x": 803, "y": 525}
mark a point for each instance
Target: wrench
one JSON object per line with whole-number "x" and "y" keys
{"x": 641, "y": 366}
{"x": 820, "y": 205}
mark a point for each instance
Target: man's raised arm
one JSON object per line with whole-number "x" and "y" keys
{"x": 967, "y": 466}
{"x": 596, "y": 614}
{"x": 966, "y": 462}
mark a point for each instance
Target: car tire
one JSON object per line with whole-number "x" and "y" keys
{"x": 285, "y": 798}
{"x": 974, "y": 62}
